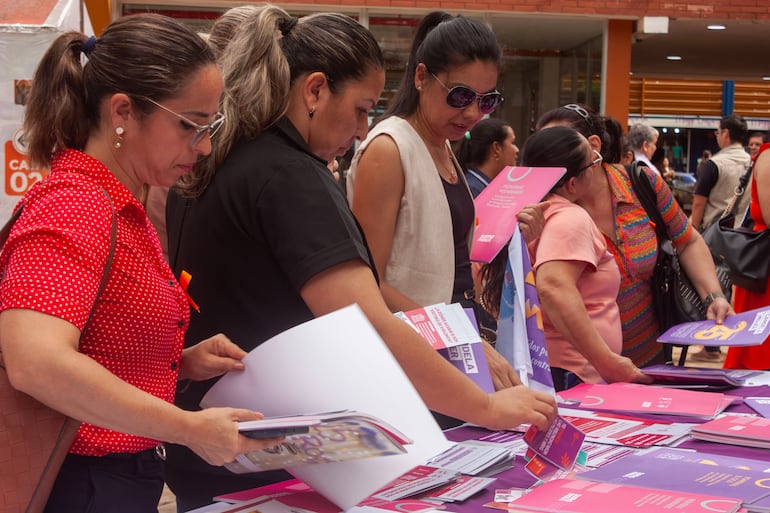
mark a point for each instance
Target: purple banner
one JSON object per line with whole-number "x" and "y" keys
{"x": 520, "y": 337}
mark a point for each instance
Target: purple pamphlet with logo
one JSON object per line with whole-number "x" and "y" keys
{"x": 553, "y": 449}
{"x": 700, "y": 477}
{"x": 744, "y": 329}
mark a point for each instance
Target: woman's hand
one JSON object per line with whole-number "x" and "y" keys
{"x": 503, "y": 375}
{"x": 213, "y": 435}
{"x": 519, "y": 405}
{"x": 719, "y": 309}
{"x": 211, "y": 358}
{"x": 532, "y": 221}
{"x": 615, "y": 368}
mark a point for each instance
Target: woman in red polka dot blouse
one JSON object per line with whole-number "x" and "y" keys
{"x": 140, "y": 111}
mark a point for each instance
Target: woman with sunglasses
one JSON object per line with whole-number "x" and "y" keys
{"x": 405, "y": 185}
{"x": 631, "y": 238}
{"x": 268, "y": 236}
{"x": 576, "y": 276}
{"x": 140, "y": 111}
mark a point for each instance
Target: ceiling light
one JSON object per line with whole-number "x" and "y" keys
{"x": 766, "y": 78}
{"x": 674, "y": 57}
{"x": 716, "y": 27}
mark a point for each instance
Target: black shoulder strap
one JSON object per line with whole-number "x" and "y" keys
{"x": 647, "y": 197}
{"x": 6, "y": 230}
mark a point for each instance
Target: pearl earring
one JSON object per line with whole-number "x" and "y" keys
{"x": 119, "y": 131}
{"x": 312, "y": 112}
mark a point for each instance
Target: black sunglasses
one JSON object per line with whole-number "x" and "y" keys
{"x": 460, "y": 97}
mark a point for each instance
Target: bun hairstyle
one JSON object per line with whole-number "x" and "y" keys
{"x": 143, "y": 55}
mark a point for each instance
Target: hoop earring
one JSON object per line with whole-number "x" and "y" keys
{"x": 119, "y": 131}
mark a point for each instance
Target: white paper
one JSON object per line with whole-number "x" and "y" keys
{"x": 335, "y": 362}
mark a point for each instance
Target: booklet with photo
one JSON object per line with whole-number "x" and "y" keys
{"x": 497, "y": 205}
{"x": 322, "y": 438}
{"x": 683, "y": 377}
{"x": 744, "y": 329}
{"x": 331, "y": 363}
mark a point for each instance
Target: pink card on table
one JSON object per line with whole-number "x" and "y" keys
{"x": 632, "y": 397}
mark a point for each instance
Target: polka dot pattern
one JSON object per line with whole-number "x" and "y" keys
{"x": 54, "y": 260}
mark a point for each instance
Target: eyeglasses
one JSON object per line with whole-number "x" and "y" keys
{"x": 595, "y": 162}
{"x": 460, "y": 97}
{"x": 580, "y": 111}
{"x": 200, "y": 130}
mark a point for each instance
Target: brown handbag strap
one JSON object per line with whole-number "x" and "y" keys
{"x": 6, "y": 230}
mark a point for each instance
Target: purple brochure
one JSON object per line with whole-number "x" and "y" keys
{"x": 697, "y": 477}
{"x": 744, "y": 329}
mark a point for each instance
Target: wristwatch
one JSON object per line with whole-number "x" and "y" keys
{"x": 711, "y": 298}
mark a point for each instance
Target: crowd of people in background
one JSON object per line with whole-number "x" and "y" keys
{"x": 238, "y": 140}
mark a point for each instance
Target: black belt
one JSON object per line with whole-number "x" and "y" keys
{"x": 157, "y": 453}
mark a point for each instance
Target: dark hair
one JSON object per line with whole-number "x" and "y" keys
{"x": 334, "y": 44}
{"x": 143, "y": 55}
{"x": 586, "y": 121}
{"x": 473, "y": 149}
{"x": 269, "y": 50}
{"x": 736, "y": 126}
{"x": 614, "y": 148}
{"x": 443, "y": 42}
{"x": 557, "y": 146}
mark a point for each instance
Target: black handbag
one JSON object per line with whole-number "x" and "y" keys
{"x": 743, "y": 251}
{"x": 674, "y": 298}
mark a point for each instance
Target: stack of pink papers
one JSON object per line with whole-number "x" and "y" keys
{"x": 631, "y": 397}
{"x": 735, "y": 430}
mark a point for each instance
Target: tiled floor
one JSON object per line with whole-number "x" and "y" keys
{"x": 692, "y": 363}
{"x": 167, "y": 502}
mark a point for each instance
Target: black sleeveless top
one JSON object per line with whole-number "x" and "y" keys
{"x": 461, "y": 209}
